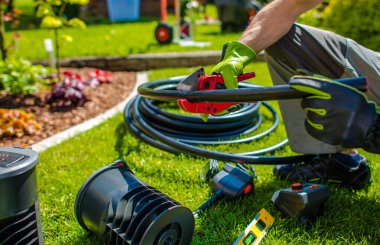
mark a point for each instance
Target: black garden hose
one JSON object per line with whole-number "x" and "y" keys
{"x": 177, "y": 133}
{"x": 183, "y": 134}
{"x": 246, "y": 92}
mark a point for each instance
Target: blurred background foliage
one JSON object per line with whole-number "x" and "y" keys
{"x": 355, "y": 19}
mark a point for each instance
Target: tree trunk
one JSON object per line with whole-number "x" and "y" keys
{"x": 10, "y": 6}
{"x": 2, "y": 37}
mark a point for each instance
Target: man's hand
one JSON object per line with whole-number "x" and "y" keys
{"x": 235, "y": 57}
{"x": 336, "y": 114}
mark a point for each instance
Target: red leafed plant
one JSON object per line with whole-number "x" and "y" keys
{"x": 17, "y": 123}
{"x": 100, "y": 76}
{"x": 70, "y": 91}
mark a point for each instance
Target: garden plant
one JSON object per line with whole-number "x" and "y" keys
{"x": 52, "y": 14}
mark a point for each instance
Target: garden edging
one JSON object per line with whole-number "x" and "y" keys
{"x": 56, "y": 139}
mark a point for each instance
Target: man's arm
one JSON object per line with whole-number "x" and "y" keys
{"x": 274, "y": 21}
{"x": 269, "y": 25}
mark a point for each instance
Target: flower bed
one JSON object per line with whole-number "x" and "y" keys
{"x": 57, "y": 119}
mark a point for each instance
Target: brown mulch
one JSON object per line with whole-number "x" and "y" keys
{"x": 100, "y": 99}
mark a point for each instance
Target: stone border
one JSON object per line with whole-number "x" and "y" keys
{"x": 141, "y": 77}
{"x": 144, "y": 62}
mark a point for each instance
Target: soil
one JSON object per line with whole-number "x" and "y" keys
{"x": 54, "y": 120}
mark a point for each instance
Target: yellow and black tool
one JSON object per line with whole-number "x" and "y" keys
{"x": 256, "y": 230}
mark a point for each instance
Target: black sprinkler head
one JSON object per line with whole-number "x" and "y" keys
{"x": 121, "y": 209}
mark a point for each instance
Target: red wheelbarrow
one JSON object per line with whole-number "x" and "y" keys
{"x": 164, "y": 32}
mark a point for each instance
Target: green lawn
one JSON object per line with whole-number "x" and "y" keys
{"x": 109, "y": 39}
{"x": 114, "y": 40}
{"x": 351, "y": 217}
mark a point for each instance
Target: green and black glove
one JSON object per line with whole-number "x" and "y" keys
{"x": 235, "y": 57}
{"x": 338, "y": 114}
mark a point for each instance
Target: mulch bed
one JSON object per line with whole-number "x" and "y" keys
{"x": 53, "y": 120}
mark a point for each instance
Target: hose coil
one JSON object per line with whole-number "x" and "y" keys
{"x": 178, "y": 133}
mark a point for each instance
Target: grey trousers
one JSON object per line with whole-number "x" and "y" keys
{"x": 306, "y": 50}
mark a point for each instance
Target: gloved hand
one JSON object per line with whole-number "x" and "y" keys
{"x": 336, "y": 113}
{"x": 235, "y": 57}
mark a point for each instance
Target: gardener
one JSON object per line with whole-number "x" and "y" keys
{"x": 338, "y": 119}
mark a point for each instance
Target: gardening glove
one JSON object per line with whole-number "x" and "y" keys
{"x": 338, "y": 114}
{"x": 235, "y": 56}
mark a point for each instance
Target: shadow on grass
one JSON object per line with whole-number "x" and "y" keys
{"x": 147, "y": 49}
{"x": 122, "y": 147}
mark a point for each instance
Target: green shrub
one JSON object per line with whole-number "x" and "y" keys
{"x": 356, "y": 19}
{"x": 18, "y": 76}
{"x": 313, "y": 17}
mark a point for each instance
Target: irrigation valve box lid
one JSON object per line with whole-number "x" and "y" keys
{"x": 20, "y": 221}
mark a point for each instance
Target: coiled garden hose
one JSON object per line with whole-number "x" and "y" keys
{"x": 178, "y": 133}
